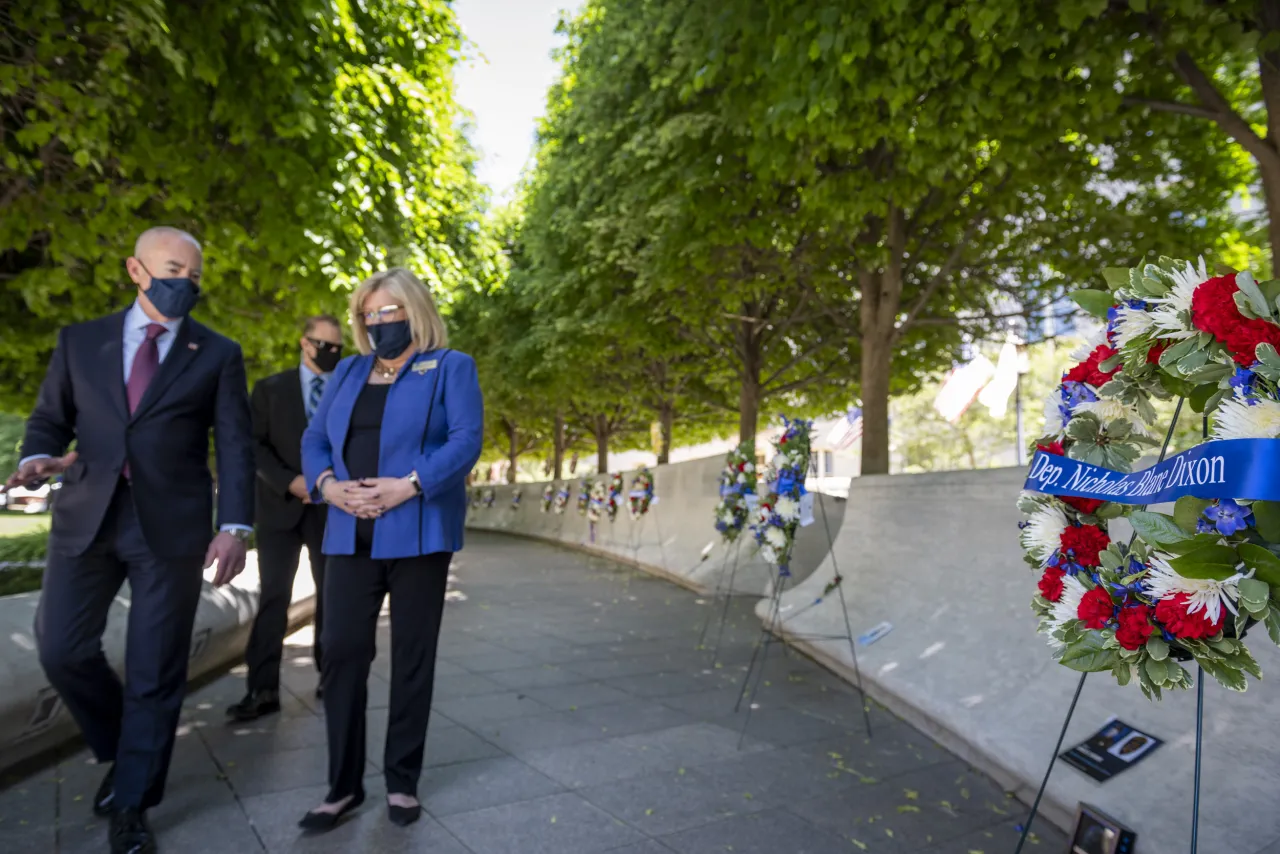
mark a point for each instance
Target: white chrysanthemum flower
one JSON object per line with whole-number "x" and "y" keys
{"x": 787, "y": 508}
{"x": 1054, "y": 425}
{"x": 776, "y": 537}
{"x": 1042, "y": 535}
{"x": 1095, "y": 340}
{"x": 742, "y": 478}
{"x": 1067, "y": 607}
{"x": 727, "y": 518}
{"x": 1203, "y": 594}
{"x": 1108, "y": 410}
{"x": 769, "y": 555}
{"x": 1132, "y": 324}
{"x": 750, "y": 467}
{"x": 1170, "y": 310}
{"x": 1237, "y": 419}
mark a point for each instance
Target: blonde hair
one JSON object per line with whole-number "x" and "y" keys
{"x": 407, "y": 291}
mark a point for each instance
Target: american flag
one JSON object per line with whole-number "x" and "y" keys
{"x": 847, "y": 430}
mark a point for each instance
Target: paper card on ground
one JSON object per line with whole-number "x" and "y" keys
{"x": 875, "y": 634}
{"x": 1111, "y": 750}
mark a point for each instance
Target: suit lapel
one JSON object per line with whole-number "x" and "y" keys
{"x": 183, "y": 352}
{"x": 111, "y": 361}
{"x": 292, "y": 406}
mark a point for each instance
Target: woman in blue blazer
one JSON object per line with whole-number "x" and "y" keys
{"x": 389, "y": 448}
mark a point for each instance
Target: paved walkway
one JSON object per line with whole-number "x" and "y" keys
{"x": 574, "y": 715}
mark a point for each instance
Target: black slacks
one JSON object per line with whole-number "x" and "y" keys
{"x": 133, "y": 723}
{"x": 278, "y": 554}
{"x": 354, "y": 587}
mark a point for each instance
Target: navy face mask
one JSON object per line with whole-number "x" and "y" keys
{"x": 173, "y": 298}
{"x": 390, "y": 339}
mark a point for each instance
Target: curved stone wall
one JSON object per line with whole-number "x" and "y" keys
{"x": 33, "y": 719}
{"x": 676, "y": 539}
{"x": 937, "y": 556}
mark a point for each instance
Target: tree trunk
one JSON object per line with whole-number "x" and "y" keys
{"x": 749, "y": 396}
{"x": 1269, "y": 76}
{"x": 1271, "y": 194}
{"x": 602, "y": 444}
{"x": 558, "y": 454}
{"x": 667, "y": 420}
{"x": 881, "y": 300}
{"x": 513, "y": 450}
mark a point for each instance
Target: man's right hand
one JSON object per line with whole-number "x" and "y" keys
{"x": 34, "y": 472}
{"x": 298, "y": 489}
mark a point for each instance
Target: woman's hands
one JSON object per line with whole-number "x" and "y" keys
{"x": 368, "y": 498}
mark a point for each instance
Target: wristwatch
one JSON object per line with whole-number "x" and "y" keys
{"x": 417, "y": 484}
{"x": 240, "y": 534}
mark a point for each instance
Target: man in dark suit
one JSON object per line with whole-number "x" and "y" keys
{"x": 287, "y": 520}
{"x": 137, "y": 392}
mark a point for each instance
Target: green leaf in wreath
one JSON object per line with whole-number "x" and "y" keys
{"x": 1214, "y": 561}
{"x": 1268, "y": 356}
{"x": 1123, "y": 671}
{"x": 1273, "y": 626}
{"x": 1094, "y": 301}
{"x": 1265, "y": 565}
{"x": 1157, "y": 648}
{"x": 1116, "y": 277}
{"x": 1157, "y": 528}
{"x": 1089, "y": 655}
{"x": 1255, "y": 595}
{"x": 1227, "y": 676}
{"x": 1170, "y": 357}
{"x": 1187, "y": 511}
{"x": 1157, "y": 669}
{"x": 1266, "y": 515}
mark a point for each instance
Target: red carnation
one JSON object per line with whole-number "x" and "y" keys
{"x": 1088, "y": 370}
{"x": 1051, "y": 583}
{"x": 1135, "y": 626}
{"x": 1084, "y": 505}
{"x": 1084, "y": 542}
{"x": 1095, "y": 608}
{"x": 1172, "y": 612}
{"x": 1052, "y": 448}
{"x": 1156, "y": 351}
{"x": 1214, "y": 310}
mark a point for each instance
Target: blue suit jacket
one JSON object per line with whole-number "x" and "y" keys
{"x": 442, "y": 452}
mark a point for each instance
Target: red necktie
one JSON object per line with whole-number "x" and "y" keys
{"x": 145, "y": 363}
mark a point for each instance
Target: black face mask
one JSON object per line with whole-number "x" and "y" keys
{"x": 174, "y": 298}
{"x": 327, "y": 355}
{"x": 390, "y": 339}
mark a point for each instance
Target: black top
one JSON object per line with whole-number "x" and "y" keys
{"x": 364, "y": 440}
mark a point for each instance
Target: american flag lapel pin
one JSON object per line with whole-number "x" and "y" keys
{"x": 191, "y": 345}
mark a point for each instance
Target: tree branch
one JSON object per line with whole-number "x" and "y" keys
{"x": 1227, "y": 118}
{"x": 1172, "y": 107}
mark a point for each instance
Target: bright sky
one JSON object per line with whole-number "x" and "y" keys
{"x": 506, "y": 87}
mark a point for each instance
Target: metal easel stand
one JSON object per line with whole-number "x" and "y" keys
{"x": 736, "y": 550}
{"x": 1071, "y": 710}
{"x": 768, "y": 637}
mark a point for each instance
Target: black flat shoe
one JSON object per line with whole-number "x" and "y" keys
{"x": 321, "y": 822}
{"x": 130, "y": 833}
{"x": 104, "y": 800}
{"x": 256, "y": 704}
{"x": 403, "y": 816}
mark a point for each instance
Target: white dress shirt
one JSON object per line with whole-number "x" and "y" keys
{"x": 135, "y": 332}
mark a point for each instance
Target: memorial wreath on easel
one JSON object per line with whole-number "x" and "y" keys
{"x": 737, "y": 491}
{"x": 615, "y": 496}
{"x": 641, "y": 493}
{"x": 1189, "y": 584}
{"x": 778, "y": 514}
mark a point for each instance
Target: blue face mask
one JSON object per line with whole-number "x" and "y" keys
{"x": 390, "y": 339}
{"x": 174, "y": 298}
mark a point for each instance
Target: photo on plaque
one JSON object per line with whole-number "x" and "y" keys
{"x": 1098, "y": 833}
{"x": 1110, "y": 750}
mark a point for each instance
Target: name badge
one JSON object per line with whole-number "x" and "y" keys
{"x": 423, "y": 367}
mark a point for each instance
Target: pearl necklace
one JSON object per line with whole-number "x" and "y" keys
{"x": 386, "y": 373}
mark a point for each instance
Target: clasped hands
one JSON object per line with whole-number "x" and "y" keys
{"x": 370, "y": 497}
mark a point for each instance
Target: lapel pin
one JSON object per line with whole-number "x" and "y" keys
{"x": 423, "y": 367}
{"x": 191, "y": 345}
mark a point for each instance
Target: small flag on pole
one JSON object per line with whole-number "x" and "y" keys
{"x": 847, "y": 430}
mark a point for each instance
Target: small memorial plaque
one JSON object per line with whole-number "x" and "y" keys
{"x": 1111, "y": 750}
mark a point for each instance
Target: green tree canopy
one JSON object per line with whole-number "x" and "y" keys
{"x": 306, "y": 144}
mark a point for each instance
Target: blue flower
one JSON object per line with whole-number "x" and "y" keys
{"x": 1242, "y": 382}
{"x": 1204, "y": 526}
{"x": 1228, "y": 517}
{"x": 1073, "y": 394}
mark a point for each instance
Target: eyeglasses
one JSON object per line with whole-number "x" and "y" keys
{"x": 325, "y": 345}
{"x": 383, "y": 315}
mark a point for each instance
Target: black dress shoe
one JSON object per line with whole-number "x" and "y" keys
{"x": 104, "y": 800}
{"x": 130, "y": 833}
{"x": 256, "y": 704}
{"x": 404, "y": 816}
{"x": 319, "y": 822}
